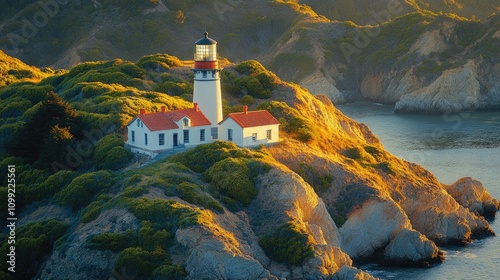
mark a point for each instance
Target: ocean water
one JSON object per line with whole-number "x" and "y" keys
{"x": 451, "y": 146}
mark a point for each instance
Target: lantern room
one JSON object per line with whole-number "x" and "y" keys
{"x": 206, "y": 53}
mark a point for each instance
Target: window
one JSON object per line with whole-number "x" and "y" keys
{"x": 254, "y": 137}
{"x": 142, "y": 124}
{"x": 269, "y": 134}
{"x": 133, "y": 136}
{"x": 204, "y": 74}
{"x": 145, "y": 139}
{"x": 215, "y": 133}
{"x": 186, "y": 121}
{"x": 138, "y": 122}
{"x": 202, "y": 135}
{"x": 161, "y": 139}
{"x": 186, "y": 136}
{"x": 230, "y": 135}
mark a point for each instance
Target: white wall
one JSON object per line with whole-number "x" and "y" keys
{"x": 261, "y": 135}
{"x": 243, "y": 136}
{"x": 154, "y": 139}
{"x": 237, "y": 131}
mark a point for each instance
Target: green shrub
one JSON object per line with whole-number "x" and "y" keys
{"x": 385, "y": 167}
{"x": 354, "y": 153}
{"x": 158, "y": 62}
{"x": 170, "y": 272}
{"x": 191, "y": 193}
{"x": 109, "y": 152}
{"x": 115, "y": 242}
{"x": 202, "y": 157}
{"x": 34, "y": 241}
{"x": 254, "y": 87}
{"x": 320, "y": 182}
{"x": 139, "y": 262}
{"x": 247, "y": 100}
{"x": 163, "y": 212}
{"x": 232, "y": 177}
{"x": 82, "y": 189}
{"x": 53, "y": 184}
{"x": 374, "y": 151}
{"x": 116, "y": 158}
{"x": 174, "y": 88}
{"x": 250, "y": 67}
{"x": 288, "y": 244}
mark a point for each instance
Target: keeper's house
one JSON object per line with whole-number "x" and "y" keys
{"x": 164, "y": 130}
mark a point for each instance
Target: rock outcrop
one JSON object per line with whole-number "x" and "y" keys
{"x": 410, "y": 247}
{"x": 456, "y": 90}
{"x": 77, "y": 261}
{"x": 283, "y": 197}
{"x": 472, "y": 195}
{"x": 383, "y": 226}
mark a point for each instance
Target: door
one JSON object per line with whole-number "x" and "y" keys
{"x": 176, "y": 140}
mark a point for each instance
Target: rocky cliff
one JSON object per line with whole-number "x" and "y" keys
{"x": 306, "y": 208}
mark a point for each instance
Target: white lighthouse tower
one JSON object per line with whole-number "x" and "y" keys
{"x": 207, "y": 92}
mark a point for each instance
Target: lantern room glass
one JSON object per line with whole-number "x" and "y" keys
{"x": 206, "y": 53}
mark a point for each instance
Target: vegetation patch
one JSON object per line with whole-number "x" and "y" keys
{"x": 290, "y": 120}
{"x": 288, "y": 244}
{"x": 234, "y": 178}
{"x": 34, "y": 242}
{"x": 320, "y": 182}
{"x": 143, "y": 252}
{"x": 202, "y": 157}
{"x": 81, "y": 191}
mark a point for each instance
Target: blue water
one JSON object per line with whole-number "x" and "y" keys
{"x": 451, "y": 146}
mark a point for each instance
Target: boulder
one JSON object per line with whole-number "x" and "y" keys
{"x": 410, "y": 247}
{"x": 371, "y": 227}
{"x": 473, "y": 195}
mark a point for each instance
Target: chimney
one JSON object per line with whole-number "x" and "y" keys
{"x": 143, "y": 111}
{"x": 245, "y": 109}
{"x": 163, "y": 109}
{"x": 196, "y": 107}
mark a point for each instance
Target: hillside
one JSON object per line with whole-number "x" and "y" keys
{"x": 13, "y": 70}
{"x": 306, "y": 207}
{"x": 365, "y": 12}
{"x": 411, "y": 53}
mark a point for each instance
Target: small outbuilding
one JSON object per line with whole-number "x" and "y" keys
{"x": 249, "y": 128}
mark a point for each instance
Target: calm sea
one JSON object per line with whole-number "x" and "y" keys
{"x": 451, "y": 146}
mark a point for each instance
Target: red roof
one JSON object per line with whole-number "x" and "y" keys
{"x": 253, "y": 118}
{"x": 166, "y": 120}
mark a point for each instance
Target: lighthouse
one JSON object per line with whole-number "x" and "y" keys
{"x": 207, "y": 91}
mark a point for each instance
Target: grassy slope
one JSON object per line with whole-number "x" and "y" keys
{"x": 13, "y": 70}
{"x": 111, "y": 92}
{"x": 365, "y": 11}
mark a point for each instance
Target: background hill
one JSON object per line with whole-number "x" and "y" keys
{"x": 322, "y": 45}
{"x": 363, "y": 11}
